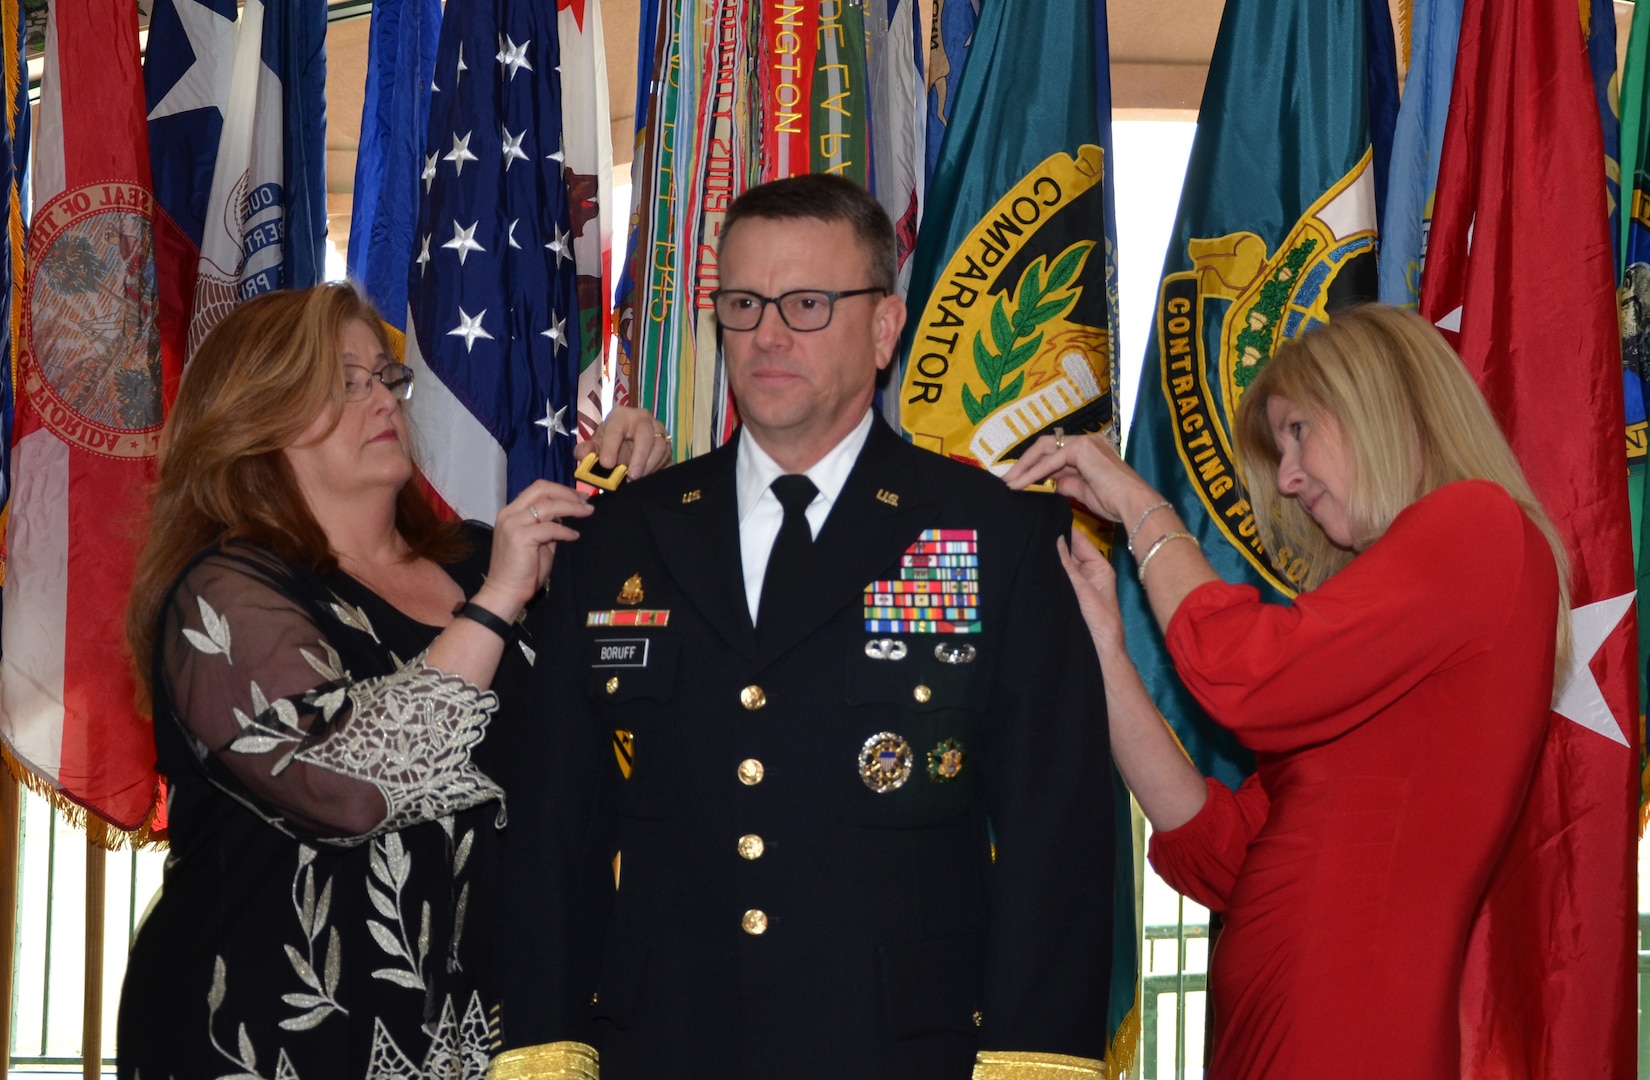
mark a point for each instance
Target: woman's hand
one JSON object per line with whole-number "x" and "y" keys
{"x": 1165, "y": 782}
{"x": 525, "y": 535}
{"x": 1095, "y": 583}
{"x": 1085, "y": 468}
{"x": 633, "y": 436}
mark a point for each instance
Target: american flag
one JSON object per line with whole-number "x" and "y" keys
{"x": 492, "y": 292}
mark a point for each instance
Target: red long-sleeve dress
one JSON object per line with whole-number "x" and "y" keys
{"x": 1396, "y": 713}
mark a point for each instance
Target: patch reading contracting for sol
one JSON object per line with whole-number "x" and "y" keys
{"x": 937, "y": 591}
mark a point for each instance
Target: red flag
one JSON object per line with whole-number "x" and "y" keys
{"x": 1519, "y": 275}
{"x": 88, "y": 421}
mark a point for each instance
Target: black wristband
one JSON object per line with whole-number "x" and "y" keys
{"x": 478, "y": 614}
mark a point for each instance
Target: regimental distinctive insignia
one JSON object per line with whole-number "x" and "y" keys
{"x": 937, "y": 591}
{"x": 1261, "y": 299}
{"x": 637, "y": 617}
{"x": 945, "y": 761}
{"x": 950, "y": 652}
{"x": 885, "y": 762}
{"x": 624, "y": 748}
{"x": 1013, "y": 338}
{"x": 885, "y": 649}
{"x": 631, "y": 593}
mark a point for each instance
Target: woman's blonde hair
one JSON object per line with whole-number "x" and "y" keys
{"x": 1411, "y": 421}
{"x": 257, "y": 382}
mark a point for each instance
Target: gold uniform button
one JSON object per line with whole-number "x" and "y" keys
{"x": 613, "y": 684}
{"x": 755, "y": 922}
{"x": 753, "y": 697}
{"x": 750, "y": 846}
{"x": 750, "y": 772}
{"x": 922, "y": 694}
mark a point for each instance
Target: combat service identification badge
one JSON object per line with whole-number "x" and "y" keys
{"x": 885, "y": 762}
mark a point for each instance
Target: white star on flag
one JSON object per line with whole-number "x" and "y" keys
{"x": 424, "y": 254}
{"x": 1581, "y": 699}
{"x": 206, "y": 83}
{"x": 558, "y": 244}
{"x": 512, "y": 148}
{"x": 461, "y": 152}
{"x": 559, "y": 156}
{"x": 469, "y": 329}
{"x": 462, "y": 66}
{"x": 557, "y": 333}
{"x": 428, "y": 175}
{"x": 512, "y": 236}
{"x": 554, "y": 421}
{"x": 464, "y": 241}
{"x": 513, "y": 56}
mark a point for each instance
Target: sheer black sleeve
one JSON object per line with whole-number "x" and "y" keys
{"x": 259, "y": 689}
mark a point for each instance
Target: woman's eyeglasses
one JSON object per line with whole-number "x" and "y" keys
{"x": 397, "y": 379}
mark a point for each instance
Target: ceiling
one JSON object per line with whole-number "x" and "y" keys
{"x": 1160, "y": 55}
{"x": 1159, "y": 59}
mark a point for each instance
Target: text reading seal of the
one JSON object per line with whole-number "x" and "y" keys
{"x": 885, "y": 762}
{"x": 91, "y": 345}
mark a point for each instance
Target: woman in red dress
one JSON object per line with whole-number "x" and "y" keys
{"x": 1396, "y": 709}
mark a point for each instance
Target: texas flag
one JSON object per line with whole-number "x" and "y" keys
{"x": 237, "y": 127}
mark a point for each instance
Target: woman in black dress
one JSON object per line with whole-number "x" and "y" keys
{"x": 334, "y": 673}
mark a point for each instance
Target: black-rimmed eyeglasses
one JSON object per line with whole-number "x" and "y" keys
{"x": 804, "y": 310}
{"x": 397, "y": 379}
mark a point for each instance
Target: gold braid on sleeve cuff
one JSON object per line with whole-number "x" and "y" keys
{"x": 1026, "y": 1065}
{"x": 549, "y": 1061}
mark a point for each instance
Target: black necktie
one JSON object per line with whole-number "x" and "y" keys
{"x": 788, "y": 562}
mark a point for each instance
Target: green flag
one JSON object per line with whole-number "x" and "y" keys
{"x": 1013, "y": 296}
{"x": 1276, "y": 226}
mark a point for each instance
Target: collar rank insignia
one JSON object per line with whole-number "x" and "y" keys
{"x": 631, "y": 593}
{"x": 635, "y": 617}
{"x": 938, "y": 589}
{"x": 885, "y": 762}
{"x": 945, "y": 761}
{"x": 885, "y": 649}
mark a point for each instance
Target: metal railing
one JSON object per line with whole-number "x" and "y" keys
{"x": 47, "y": 996}
{"x": 48, "y": 1004}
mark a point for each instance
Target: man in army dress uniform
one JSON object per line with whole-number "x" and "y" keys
{"x": 840, "y": 741}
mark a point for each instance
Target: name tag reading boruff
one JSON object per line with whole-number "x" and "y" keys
{"x": 620, "y": 652}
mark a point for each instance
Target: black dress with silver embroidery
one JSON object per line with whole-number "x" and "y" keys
{"x": 335, "y": 830}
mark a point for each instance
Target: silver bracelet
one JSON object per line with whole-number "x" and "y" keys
{"x": 1149, "y": 511}
{"x": 1157, "y": 545}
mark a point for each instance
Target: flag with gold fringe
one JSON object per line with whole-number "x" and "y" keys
{"x": 1013, "y": 295}
{"x": 87, "y": 426}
